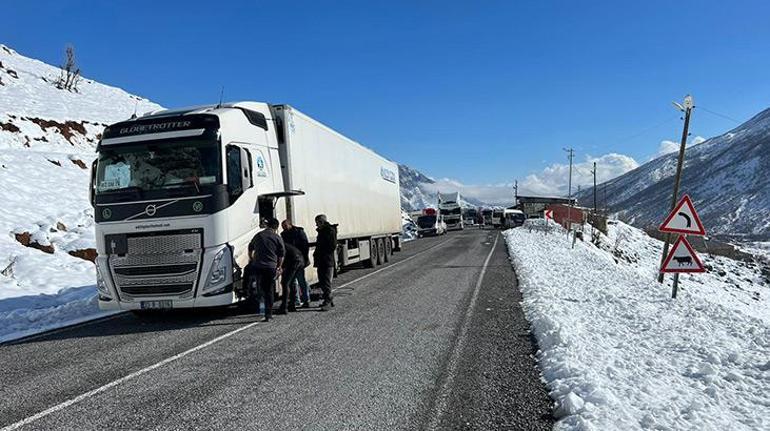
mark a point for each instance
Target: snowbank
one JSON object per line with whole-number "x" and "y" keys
{"x": 618, "y": 353}
{"x": 408, "y": 227}
{"x": 47, "y": 142}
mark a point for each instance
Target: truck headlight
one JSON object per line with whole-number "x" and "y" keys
{"x": 101, "y": 285}
{"x": 220, "y": 267}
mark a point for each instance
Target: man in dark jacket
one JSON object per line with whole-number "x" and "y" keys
{"x": 296, "y": 236}
{"x": 323, "y": 257}
{"x": 293, "y": 263}
{"x": 266, "y": 251}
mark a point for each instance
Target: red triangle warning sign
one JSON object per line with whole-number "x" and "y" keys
{"x": 682, "y": 258}
{"x": 683, "y": 219}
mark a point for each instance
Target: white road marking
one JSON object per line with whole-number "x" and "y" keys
{"x": 114, "y": 383}
{"x": 79, "y": 398}
{"x": 442, "y": 396}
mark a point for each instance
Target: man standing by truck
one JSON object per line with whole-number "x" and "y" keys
{"x": 296, "y": 236}
{"x": 323, "y": 257}
{"x": 266, "y": 252}
{"x": 293, "y": 263}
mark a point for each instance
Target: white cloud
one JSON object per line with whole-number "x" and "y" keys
{"x": 667, "y": 146}
{"x": 554, "y": 179}
{"x": 490, "y": 193}
{"x": 551, "y": 181}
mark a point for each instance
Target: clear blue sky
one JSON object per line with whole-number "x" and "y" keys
{"x": 482, "y": 92}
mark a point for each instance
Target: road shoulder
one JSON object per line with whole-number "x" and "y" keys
{"x": 497, "y": 384}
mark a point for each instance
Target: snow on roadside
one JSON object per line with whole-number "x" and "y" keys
{"x": 47, "y": 141}
{"x": 618, "y": 353}
{"x": 408, "y": 227}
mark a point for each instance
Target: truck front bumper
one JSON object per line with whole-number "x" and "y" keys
{"x": 225, "y": 298}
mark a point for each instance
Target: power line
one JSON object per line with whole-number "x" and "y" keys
{"x": 726, "y": 117}
{"x": 647, "y": 129}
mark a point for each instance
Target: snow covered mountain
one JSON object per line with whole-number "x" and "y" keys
{"x": 726, "y": 176}
{"x": 47, "y": 141}
{"x": 418, "y": 191}
{"x": 414, "y": 193}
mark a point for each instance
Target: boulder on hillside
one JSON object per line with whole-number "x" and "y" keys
{"x": 25, "y": 239}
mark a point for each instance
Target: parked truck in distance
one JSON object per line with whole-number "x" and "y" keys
{"x": 178, "y": 195}
{"x": 470, "y": 216}
{"x": 430, "y": 223}
{"x": 451, "y": 209}
{"x": 513, "y": 218}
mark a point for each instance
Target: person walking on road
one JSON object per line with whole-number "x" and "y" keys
{"x": 266, "y": 251}
{"x": 323, "y": 257}
{"x": 293, "y": 264}
{"x": 297, "y": 237}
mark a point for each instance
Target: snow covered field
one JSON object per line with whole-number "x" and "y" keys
{"x": 47, "y": 141}
{"x": 618, "y": 353}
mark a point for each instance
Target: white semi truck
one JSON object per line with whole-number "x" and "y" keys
{"x": 178, "y": 195}
{"x": 450, "y": 206}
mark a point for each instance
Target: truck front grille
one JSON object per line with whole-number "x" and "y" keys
{"x": 161, "y": 264}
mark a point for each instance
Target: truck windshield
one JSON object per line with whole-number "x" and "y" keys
{"x": 158, "y": 165}
{"x": 426, "y": 221}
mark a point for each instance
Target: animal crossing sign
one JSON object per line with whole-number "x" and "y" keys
{"x": 683, "y": 220}
{"x": 682, "y": 258}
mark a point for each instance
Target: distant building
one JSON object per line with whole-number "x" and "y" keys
{"x": 533, "y": 206}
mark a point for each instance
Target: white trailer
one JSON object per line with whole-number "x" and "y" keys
{"x": 178, "y": 195}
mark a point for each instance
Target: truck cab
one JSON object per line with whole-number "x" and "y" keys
{"x": 430, "y": 223}
{"x": 178, "y": 195}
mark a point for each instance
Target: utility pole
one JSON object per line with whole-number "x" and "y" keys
{"x": 594, "y": 172}
{"x": 687, "y": 108}
{"x": 515, "y": 193}
{"x": 571, "y": 154}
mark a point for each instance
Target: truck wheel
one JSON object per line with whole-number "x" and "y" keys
{"x": 380, "y": 251}
{"x": 372, "y": 261}
{"x": 388, "y": 248}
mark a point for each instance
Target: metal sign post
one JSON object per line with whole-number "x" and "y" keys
{"x": 687, "y": 108}
{"x": 682, "y": 220}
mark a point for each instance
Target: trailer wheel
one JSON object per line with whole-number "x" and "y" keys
{"x": 388, "y": 248}
{"x": 380, "y": 251}
{"x": 372, "y": 261}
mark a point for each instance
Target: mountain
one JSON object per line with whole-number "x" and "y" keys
{"x": 418, "y": 191}
{"x": 414, "y": 193}
{"x": 726, "y": 176}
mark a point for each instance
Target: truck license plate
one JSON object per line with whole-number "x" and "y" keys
{"x": 155, "y": 305}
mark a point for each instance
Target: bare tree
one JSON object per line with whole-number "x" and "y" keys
{"x": 69, "y": 75}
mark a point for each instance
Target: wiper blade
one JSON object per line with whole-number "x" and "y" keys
{"x": 192, "y": 182}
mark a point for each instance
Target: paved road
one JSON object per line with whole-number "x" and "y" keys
{"x": 418, "y": 344}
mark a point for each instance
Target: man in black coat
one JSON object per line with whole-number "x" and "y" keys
{"x": 323, "y": 257}
{"x": 266, "y": 251}
{"x": 296, "y": 236}
{"x": 293, "y": 263}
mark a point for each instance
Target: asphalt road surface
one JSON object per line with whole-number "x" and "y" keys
{"x": 435, "y": 339}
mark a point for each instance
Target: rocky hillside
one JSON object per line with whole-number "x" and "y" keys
{"x": 727, "y": 177}
{"x": 47, "y": 141}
